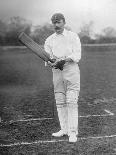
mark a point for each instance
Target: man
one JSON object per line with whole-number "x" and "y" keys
{"x": 65, "y": 47}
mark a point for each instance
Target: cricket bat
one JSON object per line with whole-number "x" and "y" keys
{"x": 34, "y": 47}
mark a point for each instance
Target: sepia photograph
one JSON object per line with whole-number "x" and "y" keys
{"x": 57, "y": 77}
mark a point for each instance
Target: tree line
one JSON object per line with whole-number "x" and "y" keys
{"x": 10, "y": 30}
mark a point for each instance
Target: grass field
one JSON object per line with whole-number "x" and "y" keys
{"x": 28, "y": 111}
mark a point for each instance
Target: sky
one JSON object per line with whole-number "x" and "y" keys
{"x": 76, "y": 12}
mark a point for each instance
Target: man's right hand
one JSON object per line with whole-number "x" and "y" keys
{"x": 50, "y": 64}
{"x": 57, "y": 64}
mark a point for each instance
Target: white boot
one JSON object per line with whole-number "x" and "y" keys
{"x": 59, "y": 134}
{"x": 72, "y": 137}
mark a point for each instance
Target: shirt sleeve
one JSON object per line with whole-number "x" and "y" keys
{"x": 48, "y": 49}
{"x": 76, "y": 49}
{"x": 47, "y": 46}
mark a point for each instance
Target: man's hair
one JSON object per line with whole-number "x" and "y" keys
{"x": 57, "y": 17}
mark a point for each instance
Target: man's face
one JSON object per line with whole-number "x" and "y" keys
{"x": 59, "y": 26}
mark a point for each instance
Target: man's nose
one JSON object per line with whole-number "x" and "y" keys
{"x": 56, "y": 24}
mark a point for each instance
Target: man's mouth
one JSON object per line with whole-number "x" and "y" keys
{"x": 57, "y": 28}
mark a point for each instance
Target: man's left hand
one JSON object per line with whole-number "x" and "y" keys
{"x": 59, "y": 64}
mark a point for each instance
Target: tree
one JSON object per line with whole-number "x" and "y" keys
{"x": 86, "y": 31}
{"x": 108, "y": 35}
{"x": 2, "y": 32}
{"x": 15, "y": 26}
{"x": 19, "y": 24}
{"x": 40, "y": 33}
{"x": 109, "y": 32}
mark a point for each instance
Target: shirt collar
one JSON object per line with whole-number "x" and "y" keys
{"x": 64, "y": 33}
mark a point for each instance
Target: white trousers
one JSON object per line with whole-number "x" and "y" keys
{"x": 66, "y": 89}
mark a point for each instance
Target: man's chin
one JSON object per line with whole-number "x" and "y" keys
{"x": 58, "y": 31}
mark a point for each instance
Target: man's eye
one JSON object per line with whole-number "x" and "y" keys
{"x": 56, "y": 23}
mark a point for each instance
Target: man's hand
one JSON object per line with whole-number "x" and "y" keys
{"x": 59, "y": 64}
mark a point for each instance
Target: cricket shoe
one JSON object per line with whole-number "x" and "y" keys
{"x": 59, "y": 133}
{"x": 72, "y": 137}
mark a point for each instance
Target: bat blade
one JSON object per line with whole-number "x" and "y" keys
{"x": 33, "y": 46}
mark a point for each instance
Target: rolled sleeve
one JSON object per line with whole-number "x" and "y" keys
{"x": 76, "y": 49}
{"x": 47, "y": 48}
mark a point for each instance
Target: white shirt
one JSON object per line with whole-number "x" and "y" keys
{"x": 65, "y": 45}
